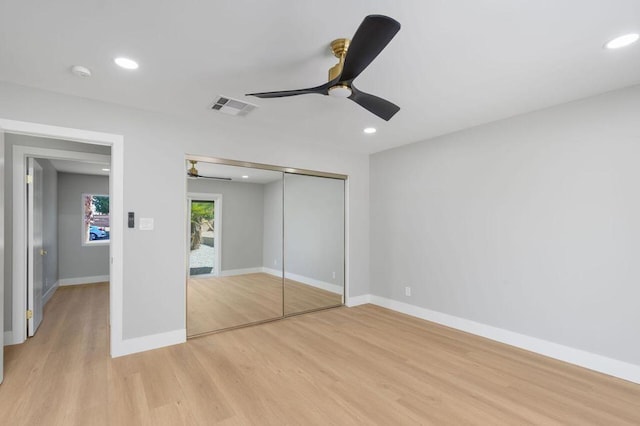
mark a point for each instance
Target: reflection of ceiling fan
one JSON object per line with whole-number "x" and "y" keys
{"x": 193, "y": 172}
{"x": 372, "y": 36}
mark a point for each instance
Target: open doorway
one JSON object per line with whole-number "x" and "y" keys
{"x": 67, "y": 219}
{"x": 16, "y": 242}
{"x": 205, "y": 214}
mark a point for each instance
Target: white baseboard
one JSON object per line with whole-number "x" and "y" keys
{"x": 602, "y": 364}
{"x": 232, "y": 272}
{"x": 333, "y": 288}
{"x": 83, "y": 280}
{"x": 358, "y": 300}
{"x": 47, "y": 296}
{"x": 147, "y": 343}
{"x": 274, "y": 272}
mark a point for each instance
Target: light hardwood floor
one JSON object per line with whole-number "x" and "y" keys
{"x": 215, "y": 303}
{"x": 342, "y": 366}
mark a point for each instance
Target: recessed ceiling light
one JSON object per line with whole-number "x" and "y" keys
{"x": 245, "y": 177}
{"x": 106, "y": 170}
{"x": 126, "y": 63}
{"x": 370, "y": 130}
{"x": 622, "y": 41}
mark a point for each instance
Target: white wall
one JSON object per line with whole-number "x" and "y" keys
{"x": 154, "y": 148}
{"x": 529, "y": 224}
{"x": 78, "y": 261}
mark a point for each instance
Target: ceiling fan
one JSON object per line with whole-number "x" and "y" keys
{"x": 193, "y": 172}
{"x": 371, "y": 37}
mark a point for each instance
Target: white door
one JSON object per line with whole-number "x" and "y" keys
{"x": 36, "y": 250}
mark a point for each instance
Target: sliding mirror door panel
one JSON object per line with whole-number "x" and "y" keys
{"x": 313, "y": 243}
{"x": 236, "y": 221}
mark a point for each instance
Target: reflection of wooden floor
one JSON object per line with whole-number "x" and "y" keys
{"x": 215, "y": 303}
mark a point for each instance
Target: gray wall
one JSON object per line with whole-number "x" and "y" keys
{"x": 242, "y": 220}
{"x": 154, "y": 149}
{"x": 49, "y": 224}
{"x": 314, "y": 228}
{"x": 272, "y": 240}
{"x": 77, "y": 260}
{"x": 10, "y": 141}
{"x": 529, "y": 224}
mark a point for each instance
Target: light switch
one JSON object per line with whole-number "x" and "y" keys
{"x": 146, "y": 224}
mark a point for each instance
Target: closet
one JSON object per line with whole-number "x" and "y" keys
{"x": 264, "y": 243}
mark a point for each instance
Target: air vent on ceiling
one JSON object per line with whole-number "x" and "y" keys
{"x": 232, "y": 106}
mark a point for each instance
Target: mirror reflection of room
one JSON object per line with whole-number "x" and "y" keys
{"x": 238, "y": 217}
{"x": 228, "y": 209}
{"x": 313, "y": 243}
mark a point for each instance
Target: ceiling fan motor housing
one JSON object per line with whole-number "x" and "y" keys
{"x": 339, "y": 48}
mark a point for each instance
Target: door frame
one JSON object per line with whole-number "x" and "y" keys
{"x": 217, "y": 226}
{"x": 116, "y": 194}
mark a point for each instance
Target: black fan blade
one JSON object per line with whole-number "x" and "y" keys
{"x": 206, "y": 177}
{"x": 371, "y": 37}
{"x": 378, "y": 106}
{"x": 321, "y": 90}
{"x": 213, "y": 177}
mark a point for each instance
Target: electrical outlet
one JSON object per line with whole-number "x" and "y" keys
{"x": 334, "y": 275}
{"x": 407, "y": 291}
{"x": 275, "y": 261}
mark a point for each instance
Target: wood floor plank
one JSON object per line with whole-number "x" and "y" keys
{"x": 346, "y": 366}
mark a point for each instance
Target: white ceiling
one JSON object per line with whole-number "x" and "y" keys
{"x": 80, "y": 167}
{"x": 235, "y": 173}
{"x": 454, "y": 64}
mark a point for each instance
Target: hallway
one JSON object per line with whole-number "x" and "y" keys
{"x": 59, "y": 376}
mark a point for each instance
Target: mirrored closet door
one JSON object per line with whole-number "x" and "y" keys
{"x": 264, "y": 243}
{"x": 313, "y": 243}
{"x": 240, "y": 227}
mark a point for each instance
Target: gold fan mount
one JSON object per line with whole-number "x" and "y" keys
{"x": 193, "y": 171}
{"x": 339, "y": 48}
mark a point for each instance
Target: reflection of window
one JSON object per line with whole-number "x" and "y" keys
{"x": 96, "y": 218}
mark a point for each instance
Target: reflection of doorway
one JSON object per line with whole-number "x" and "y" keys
{"x": 204, "y": 234}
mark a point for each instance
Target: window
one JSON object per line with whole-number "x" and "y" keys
{"x": 96, "y": 219}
